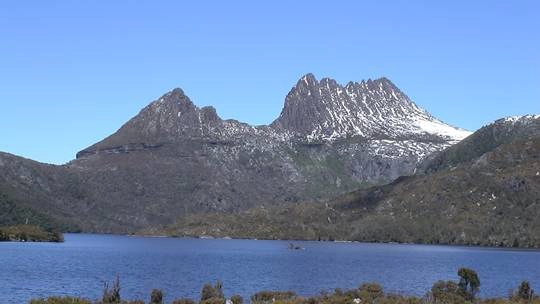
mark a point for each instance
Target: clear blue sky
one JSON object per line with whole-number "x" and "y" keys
{"x": 72, "y": 72}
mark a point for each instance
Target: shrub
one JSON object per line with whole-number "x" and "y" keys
{"x": 183, "y": 301}
{"x": 156, "y": 297}
{"x": 236, "y": 299}
{"x": 272, "y": 296}
{"x": 214, "y": 301}
{"x": 371, "y": 291}
{"x": 525, "y": 292}
{"x": 469, "y": 282}
{"x": 338, "y": 297}
{"x": 313, "y": 300}
{"x": 209, "y": 292}
{"x": 26, "y": 233}
{"x": 112, "y": 296}
{"x": 447, "y": 292}
{"x": 60, "y": 300}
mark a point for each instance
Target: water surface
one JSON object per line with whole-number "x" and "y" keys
{"x": 180, "y": 267}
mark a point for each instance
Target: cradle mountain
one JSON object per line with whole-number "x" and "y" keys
{"x": 175, "y": 161}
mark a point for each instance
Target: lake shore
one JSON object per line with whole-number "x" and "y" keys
{"x": 29, "y": 233}
{"x": 180, "y": 267}
{"x": 220, "y": 236}
{"x": 445, "y": 292}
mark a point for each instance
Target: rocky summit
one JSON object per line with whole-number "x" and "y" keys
{"x": 175, "y": 158}
{"x": 373, "y": 109}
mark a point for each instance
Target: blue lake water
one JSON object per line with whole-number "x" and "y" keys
{"x": 180, "y": 267}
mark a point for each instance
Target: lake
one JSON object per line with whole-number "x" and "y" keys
{"x": 180, "y": 267}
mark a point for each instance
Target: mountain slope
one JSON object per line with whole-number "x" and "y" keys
{"x": 501, "y": 132}
{"x": 36, "y": 194}
{"x": 175, "y": 159}
{"x": 491, "y": 199}
{"x": 370, "y": 109}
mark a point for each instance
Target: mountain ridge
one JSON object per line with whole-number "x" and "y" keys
{"x": 174, "y": 116}
{"x": 175, "y": 159}
{"x": 367, "y": 108}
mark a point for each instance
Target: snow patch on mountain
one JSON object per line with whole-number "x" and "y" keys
{"x": 325, "y": 110}
{"x": 520, "y": 118}
{"x": 439, "y": 128}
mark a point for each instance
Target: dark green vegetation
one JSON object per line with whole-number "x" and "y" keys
{"x": 21, "y": 223}
{"x": 17, "y": 213}
{"x": 479, "y": 192}
{"x": 28, "y": 233}
{"x": 26, "y": 195}
{"x": 443, "y": 292}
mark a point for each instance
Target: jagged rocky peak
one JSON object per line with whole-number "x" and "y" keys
{"x": 326, "y": 109}
{"x": 170, "y": 118}
{"x": 314, "y": 110}
{"x": 172, "y": 105}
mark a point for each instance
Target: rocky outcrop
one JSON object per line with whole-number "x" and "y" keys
{"x": 130, "y": 147}
{"x": 370, "y": 109}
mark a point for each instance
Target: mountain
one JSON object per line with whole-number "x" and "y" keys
{"x": 176, "y": 159}
{"x": 370, "y": 109}
{"x": 484, "y": 190}
{"x": 502, "y": 131}
{"x": 36, "y": 194}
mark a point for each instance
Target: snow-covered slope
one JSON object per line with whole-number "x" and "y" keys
{"x": 371, "y": 109}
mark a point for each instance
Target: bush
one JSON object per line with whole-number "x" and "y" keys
{"x": 272, "y": 296}
{"x": 371, "y": 291}
{"x": 210, "y": 292}
{"x": 525, "y": 292}
{"x": 112, "y": 296}
{"x": 156, "y": 297}
{"x": 183, "y": 301}
{"x": 447, "y": 292}
{"x": 236, "y": 299}
{"x": 61, "y": 300}
{"x": 312, "y": 301}
{"x": 469, "y": 282}
{"x": 214, "y": 301}
{"x": 25, "y": 233}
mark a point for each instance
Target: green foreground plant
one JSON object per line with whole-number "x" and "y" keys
{"x": 464, "y": 291}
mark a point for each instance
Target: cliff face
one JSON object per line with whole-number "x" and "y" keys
{"x": 370, "y": 109}
{"x": 175, "y": 159}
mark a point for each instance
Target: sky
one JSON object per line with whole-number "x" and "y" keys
{"x": 72, "y": 72}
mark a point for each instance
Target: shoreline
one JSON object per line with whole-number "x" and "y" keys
{"x": 449, "y": 292}
{"x": 29, "y": 233}
{"x": 161, "y": 236}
